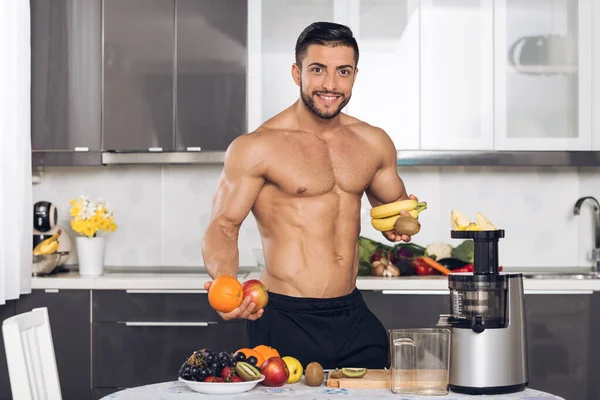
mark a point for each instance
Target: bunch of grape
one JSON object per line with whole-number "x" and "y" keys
{"x": 207, "y": 366}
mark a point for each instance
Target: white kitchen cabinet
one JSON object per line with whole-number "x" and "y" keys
{"x": 543, "y": 74}
{"x": 386, "y": 91}
{"x": 595, "y": 76}
{"x": 274, "y": 27}
{"x": 457, "y": 111}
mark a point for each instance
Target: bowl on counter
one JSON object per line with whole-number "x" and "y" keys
{"x": 45, "y": 263}
{"x": 222, "y": 387}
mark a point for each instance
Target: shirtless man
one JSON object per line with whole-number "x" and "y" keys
{"x": 303, "y": 174}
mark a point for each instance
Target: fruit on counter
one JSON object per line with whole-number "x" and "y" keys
{"x": 384, "y": 267}
{"x": 275, "y": 371}
{"x": 390, "y": 209}
{"x": 354, "y": 372}
{"x": 257, "y": 292}
{"x": 246, "y": 371}
{"x": 47, "y": 246}
{"x": 439, "y": 251}
{"x": 314, "y": 374}
{"x": 337, "y": 374}
{"x": 434, "y": 264}
{"x": 252, "y": 356}
{"x": 294, "y": 367}
{"x": 266, "y": 351}
{"x": 225, "y": 293}
{"x": 422, "y": 268}
{"x": 460, "y": 222}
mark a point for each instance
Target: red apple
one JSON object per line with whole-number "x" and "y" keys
{"x": 275, "y": 371}
{"x": 257, "y": 292}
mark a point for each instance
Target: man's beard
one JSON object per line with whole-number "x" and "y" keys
{"x": 310, "y": 103}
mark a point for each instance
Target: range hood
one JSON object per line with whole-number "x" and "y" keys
{"x": 405, "y": 158}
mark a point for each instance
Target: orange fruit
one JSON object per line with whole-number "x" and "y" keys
{"x": 225, "y": 293}
{"x": 266, "y": 351}
{"x": 249, "y": 352}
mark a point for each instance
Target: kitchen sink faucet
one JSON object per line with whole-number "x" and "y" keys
{"x": 596, "y": 249}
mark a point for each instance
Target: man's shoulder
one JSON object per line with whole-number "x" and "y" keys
{"x": 365, "y": 130}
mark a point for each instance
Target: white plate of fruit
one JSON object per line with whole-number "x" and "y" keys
{"x": 210, "y": 373}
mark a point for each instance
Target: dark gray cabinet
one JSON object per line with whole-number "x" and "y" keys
{"x": 66, "y": 81}
{"x": 69, "y": 312}
{"x": 400, "y": 309}
{"x": 211, "y": 73}
{"x": 139, "y": 48}
{"x": 558, "y": 336}
{"x": 6, "y": 310}
{"x": 142, "y": 337}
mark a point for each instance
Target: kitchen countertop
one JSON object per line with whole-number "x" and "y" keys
{"x": 192, "y": 279}
{"x": 178, "y": 390}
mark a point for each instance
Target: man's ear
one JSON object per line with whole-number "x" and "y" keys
{"x": 296, "y": 71}
{"x": 355, "y": 73}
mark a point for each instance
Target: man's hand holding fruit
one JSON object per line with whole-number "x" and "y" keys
{"x": 399, "y": 220}
{"x": 232, "y": 299}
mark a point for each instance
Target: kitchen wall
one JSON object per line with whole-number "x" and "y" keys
{"x": 162, "y": 211}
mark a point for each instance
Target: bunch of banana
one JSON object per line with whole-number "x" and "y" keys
{"x": 384, "y": 216}
{"x": 47, "y": 246}
{"x": 461, "y": 223}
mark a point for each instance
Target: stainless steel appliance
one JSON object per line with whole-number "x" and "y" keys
{"x": 488, "y": 352}
{"x": 45, "y": 224}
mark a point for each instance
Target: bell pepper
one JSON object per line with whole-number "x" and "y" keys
{"x": 466, "y": 268}
{"x": 421, "y": 267}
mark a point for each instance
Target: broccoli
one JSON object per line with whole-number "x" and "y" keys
{"x": 464, "y": 251}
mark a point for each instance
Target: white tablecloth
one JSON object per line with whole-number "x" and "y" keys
{"x": 178, "y": 390}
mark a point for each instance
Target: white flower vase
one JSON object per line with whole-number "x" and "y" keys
{"x": 90, "y": 252}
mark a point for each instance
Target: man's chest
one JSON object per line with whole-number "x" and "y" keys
{"x": 305, "y": 170}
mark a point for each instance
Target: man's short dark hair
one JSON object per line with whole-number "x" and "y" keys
{"x": 325, "y": 34}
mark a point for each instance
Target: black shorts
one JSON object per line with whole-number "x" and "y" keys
{"x": 335, "y": 332}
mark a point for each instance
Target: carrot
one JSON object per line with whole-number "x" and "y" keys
{"x": 434, "y": 264}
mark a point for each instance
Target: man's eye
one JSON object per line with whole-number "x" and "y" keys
{"x": 316, "y": 69}
{"x": 345, "y": 72}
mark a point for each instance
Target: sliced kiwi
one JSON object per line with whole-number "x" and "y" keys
{"x": 246, "y": 371}
{"x": 354, "y": 372}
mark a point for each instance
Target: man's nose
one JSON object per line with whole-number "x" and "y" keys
{"x": 329, "y": 82}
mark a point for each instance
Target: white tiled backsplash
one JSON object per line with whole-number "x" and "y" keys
{"x": 162, "y": 211}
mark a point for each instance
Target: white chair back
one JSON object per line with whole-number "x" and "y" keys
{"x": 30, "y": 356}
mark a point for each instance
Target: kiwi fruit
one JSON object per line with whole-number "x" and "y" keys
{"x": 337, "y": 374}
{"x": 314, "y": 374}
{"x": 407, "y": 225}
{"x": 246, "y": 371}
{"x": 354, "y": 372}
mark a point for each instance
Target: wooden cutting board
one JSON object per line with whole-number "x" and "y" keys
{"x": 373, "y": 379}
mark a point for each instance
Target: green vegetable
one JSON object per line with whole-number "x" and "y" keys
{"x": 364, "y": 268}
{"x": 368, "y": 247}
{"x": 464, "y": 251}
{"x": 439, "y": 251}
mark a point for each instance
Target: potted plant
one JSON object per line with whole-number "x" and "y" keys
{"x": 88, "y": 218}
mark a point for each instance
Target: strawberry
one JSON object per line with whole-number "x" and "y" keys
{"x": 227, "y": 372}
{"x": 236, "y": 379}
{"x": 210, "y": 379}
{"x": 219, "y": 380}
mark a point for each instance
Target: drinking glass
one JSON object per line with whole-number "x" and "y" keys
{"x": 420, "y": 360}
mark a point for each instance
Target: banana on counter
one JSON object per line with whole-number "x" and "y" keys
{"x": 386, "y": 217}
{"x": 47, "y": 246}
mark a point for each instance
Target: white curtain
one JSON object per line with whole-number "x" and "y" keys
{"x": 16, "y": 201}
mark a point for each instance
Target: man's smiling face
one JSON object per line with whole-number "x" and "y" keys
{"x": 326, "y": 78}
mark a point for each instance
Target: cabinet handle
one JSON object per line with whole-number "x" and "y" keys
{"x": 444, "y": 292}
{"x": 194, "y": 149}
{"x": 166, "y": 291}
{"x": 82, "y": 149}
{"x": 51, "y": 290}
{"x": 131, "y": 323}
{"x": 157, "y": 149}
{"x": 558, "y": 291}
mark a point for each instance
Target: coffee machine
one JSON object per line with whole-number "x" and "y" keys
{"x": 45, "y": 224}
{"x": 488, "y": 353}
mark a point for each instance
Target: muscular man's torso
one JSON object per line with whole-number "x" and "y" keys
{"x": 308, "y": 211}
